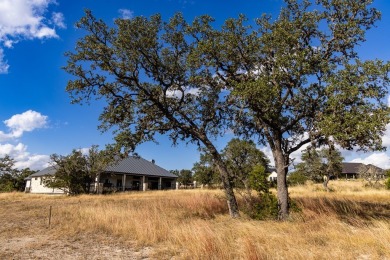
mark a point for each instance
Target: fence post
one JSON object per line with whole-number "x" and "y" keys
{"x": 50, "y": 217}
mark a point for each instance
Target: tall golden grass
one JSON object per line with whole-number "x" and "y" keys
{"x": 352, "y": 222}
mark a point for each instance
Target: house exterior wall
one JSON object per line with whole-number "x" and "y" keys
{"x": 272, "y": 177}
{"x": 28, "y": 186}
{"x": 108, "y": 183}
{"x": 37, "y": 186}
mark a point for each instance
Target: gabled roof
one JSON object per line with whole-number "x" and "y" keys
{"x": 51, "y": 170}
{"x": 354, "y": 167}
{"x": 349, "y": 167}
{"x": 270, "y": 169}
{"x": 139, "y": 166}
{"x": 130, "y": 165}
{"x": 376, "y": 168}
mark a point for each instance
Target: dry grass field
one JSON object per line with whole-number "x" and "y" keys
{"x": 351, "y": 222}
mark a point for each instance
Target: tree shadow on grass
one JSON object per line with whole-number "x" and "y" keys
{"x": 350, "y": 211}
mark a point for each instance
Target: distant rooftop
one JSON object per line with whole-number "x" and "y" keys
{"x": 129, "y": 165}
{"x": 51, "y": 170}
{"x": 352, "y": 167}
{"x": 139, "y": 166}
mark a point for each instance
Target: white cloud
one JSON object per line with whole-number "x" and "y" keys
{"x": 178, "y": 94}
{"x": 45, "y": 33}
{"x": 268, "y": 152}
{"x": 20, "y": 123}
{"x": 58, "y": 19}
{"x": 26, "y": 20}
{"x": 17, "y": 125}
{"x": 34, "y": 162}
{"x": 84, "y": 151}
{"x": 380, "y": 159}
{"x": 3, "y": 63}
{"x": 126, "y": 13}
{"x": 24, "y": 159}
{"x": 386, "y": 137}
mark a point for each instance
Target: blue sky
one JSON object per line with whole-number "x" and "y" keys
{"x": 36, "y": 117}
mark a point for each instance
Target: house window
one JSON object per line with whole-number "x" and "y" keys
{"x": 41, "y": 180}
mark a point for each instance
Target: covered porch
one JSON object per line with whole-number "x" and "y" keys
{"x": 116, "y": 182}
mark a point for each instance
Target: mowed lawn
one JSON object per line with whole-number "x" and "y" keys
{"x": 351, "y": 222}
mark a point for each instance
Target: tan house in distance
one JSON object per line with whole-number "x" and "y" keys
{"x": 130, "y": 174}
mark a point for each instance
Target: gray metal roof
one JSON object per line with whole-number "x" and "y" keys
{"x": 51, "y": 170}
{"x": 130, "y": 165}
{"x": 349, "y": 167}
{"x": 139, "y": 166}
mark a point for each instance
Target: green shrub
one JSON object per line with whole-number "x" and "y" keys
{"x": 265, "y": 207}
{"x": 387, "y": 183}
{"x": 296, "y": 178}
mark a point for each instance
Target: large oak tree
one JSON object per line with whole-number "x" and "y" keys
{"x": 148, "y": 73}
{"x": 298, "y": 79}
{"x": 287, "y": 81}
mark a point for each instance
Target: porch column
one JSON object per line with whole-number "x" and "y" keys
{"x": 144, "y": 183}
{"x": 177, "y": 185}
{"x": 97, "y": 181}
{"x": 159, "y": 183}
{"x": 123, "y": 182}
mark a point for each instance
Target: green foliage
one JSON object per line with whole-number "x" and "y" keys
{"x": 387, "y": 183}
{"x": 184, "y": 176}
{"x": 71, "y": 175}
{"x": 286, "y": 81}
{"x": 154, "y": 80}
{"x": 76, "y": 172}
{"x": 205, "y": 171}
{"x": 298, "y": 79}
{"x": 19, "y": 178}
{"x": 319, "y": 163}
{"x": 6, "y": 183}
{"x": 258, "y": 179}
{"x": 265, "y": 207}
{"x": 12, "y": 179}
{"x": 296, "y": 178}
{"x": 6, "y": 164}
{"x": 247, "y": 166}
{"x": 242, "y": 157}
{"x": 311, "y": 166}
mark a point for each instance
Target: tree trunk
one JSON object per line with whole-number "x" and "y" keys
{"x": 229, "y": 193}
{"x": 283, "y": 199}
{"x": 326, "y": 181}
{"x": 227, "y": 185}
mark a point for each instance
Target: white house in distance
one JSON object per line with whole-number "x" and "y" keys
{"x": 34, "y": 182}
{"x": 132, "y": 173}
{"x": 272, "y": 176}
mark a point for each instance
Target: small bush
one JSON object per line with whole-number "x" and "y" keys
{"x": 265, "y": 207}
{"x": 387, "y": 184}
{"x": 296, "y": 178}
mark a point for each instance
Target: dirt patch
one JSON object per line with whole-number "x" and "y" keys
{"x": 87, "y": 247}
{"x": 24, "y": 234}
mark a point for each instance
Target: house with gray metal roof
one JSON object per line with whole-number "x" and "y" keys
{"x": 132, "y": 173}
{"x": 351, "y": 170}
